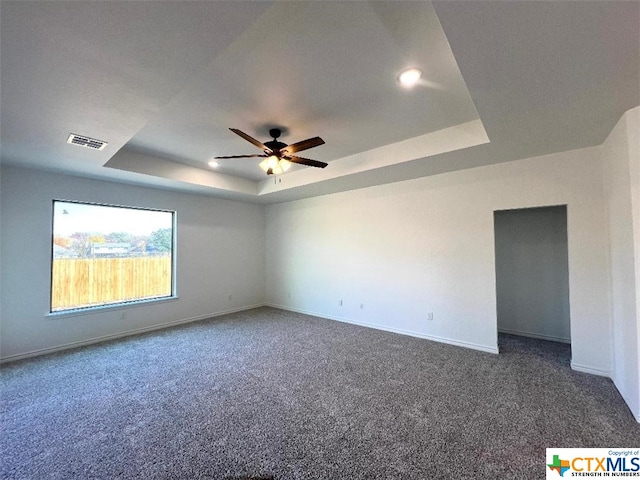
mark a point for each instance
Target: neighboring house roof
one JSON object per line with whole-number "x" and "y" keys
{"x": 110, "y": 245}
{"x": 61, "y": 252}
{"x": 99, "y": 248}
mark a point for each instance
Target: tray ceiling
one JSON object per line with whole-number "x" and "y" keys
{"x": 162, "y": 82}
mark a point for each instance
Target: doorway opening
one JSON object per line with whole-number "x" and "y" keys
{"x": 532, "y": 274}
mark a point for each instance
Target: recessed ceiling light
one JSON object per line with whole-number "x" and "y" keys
{"x": 410, "y": 77}
{"x": 214, "y": 164}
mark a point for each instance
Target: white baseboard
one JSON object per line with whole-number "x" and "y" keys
{"x": 593, "y": 371}
{"x": 535, "y": 335}
{"x": 128, "y": 333}
{"x": 449, "y": 341}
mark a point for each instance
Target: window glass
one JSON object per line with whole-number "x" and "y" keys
{"x": 105, "y": 255}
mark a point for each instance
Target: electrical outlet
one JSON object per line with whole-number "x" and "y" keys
{"x": 340, "y": 303}
{"x": 430, "y": 316}
{"x": 230, "y": 297}
{"x": 123, "y": 316}
{"x": 361, "y": 306}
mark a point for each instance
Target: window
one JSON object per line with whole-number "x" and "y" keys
{"x": 107, "y": 255}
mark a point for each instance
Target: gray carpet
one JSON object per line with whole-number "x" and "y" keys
{"x": 277, "y": 395}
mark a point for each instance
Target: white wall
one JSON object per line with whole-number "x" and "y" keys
{"x": 532, "y": 273}
{"x": 220, "y": 252}
{"x": 633, "y": 132}
{"x": 621, "y": 156}
{"x": 427, "y": 245}
{"x": 400, "y": 250}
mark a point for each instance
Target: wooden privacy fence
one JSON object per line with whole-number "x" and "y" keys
{"x": 84, "y": 282}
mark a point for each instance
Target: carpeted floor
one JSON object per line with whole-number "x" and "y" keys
{"x": 279, "y": 395}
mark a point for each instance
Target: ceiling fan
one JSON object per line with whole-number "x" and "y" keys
{"x": 279, "y": 156}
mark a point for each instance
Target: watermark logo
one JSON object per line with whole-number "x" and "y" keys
{"x": 559, "y": 465}
{"x": 593, "y": 462}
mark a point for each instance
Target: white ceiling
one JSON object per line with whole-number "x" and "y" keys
{"x": 163, "y": 81}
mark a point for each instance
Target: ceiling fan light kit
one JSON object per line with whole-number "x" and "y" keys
{"x": 278, "y": 156}
{"x": 274, "y": 165}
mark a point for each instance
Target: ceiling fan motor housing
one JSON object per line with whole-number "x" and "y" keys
{"x": 274, "y": 144}
{"x": 275, "y": 133}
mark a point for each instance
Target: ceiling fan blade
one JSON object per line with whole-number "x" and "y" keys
{"x": 250, "y": 139}
{"x": 242, "y": 156}
{"x": 303, "y": 145}
{"x": 306, "y": 161}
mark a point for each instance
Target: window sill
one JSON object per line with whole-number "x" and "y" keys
{"x": 108, "y": 308}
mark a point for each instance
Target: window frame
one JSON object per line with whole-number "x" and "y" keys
{"x": 117, "y": 304}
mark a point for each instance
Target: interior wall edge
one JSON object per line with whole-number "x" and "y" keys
{"x": 625, "y": 394}
{"x": 619, "y": 156}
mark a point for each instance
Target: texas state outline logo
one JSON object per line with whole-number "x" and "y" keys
{"x": 559, "y": 465}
